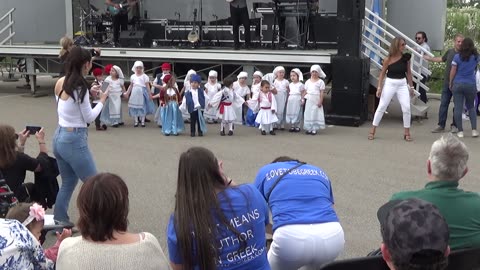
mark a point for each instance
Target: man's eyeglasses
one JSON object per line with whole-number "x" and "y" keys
{"x": 418, "y": 38}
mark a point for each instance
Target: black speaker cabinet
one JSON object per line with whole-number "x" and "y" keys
{"x": 323, "y": 29}
{"x": 349, "y": 37}
{"x": 350, "y": 85}
{"x": 351, "y": 9}
{"x": 134, "y": 39}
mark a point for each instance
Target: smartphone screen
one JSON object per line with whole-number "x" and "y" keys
{"x": 104, "y": 86}
{"x": 33, "y": 129}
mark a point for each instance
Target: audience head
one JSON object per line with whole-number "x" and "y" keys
{"x": 67, "y": 44}
{"x": 103, "y": 207}
{"x": 265, "y": 86}
{"x": 467, "y": 49}
{"x": 78, "y": 64}
{"x": 415, "y": 235}
{"x": 31, "y": 215}
{"x": 200, "y": 177}
{"x": 458, "y": 39}
{"x": 228, "y": 82}
{"x": 284, "y": 159}
{"x": 397, "y": 46}
{"x": 8, "y": 145}
{"x": 448, "y": 159}
{"x": 421, "y": 37}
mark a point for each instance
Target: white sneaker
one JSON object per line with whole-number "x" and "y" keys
{"x": 453, "y": 129}
{"x": 474, "y": 133}
{"x": 460, "y": 134}
{"x": 465, "y": 117}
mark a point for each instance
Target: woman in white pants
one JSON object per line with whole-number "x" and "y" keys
{"x": 397, "y": 69}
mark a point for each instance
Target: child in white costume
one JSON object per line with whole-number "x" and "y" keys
{"x": 265, "y": 104}
{"x": 294, "y": 103}
{"x": 314, "y": 118}
{"x": 140, "y": 103}
{"x": 186, "y": 88}
{"x": 211, "y": 88}
{"x": 242, "y": 89}
{"x": 251, "y": 116}
{"x": 281, "y": 92}
{"x": 227, "y": 101}
{"x": 112, "y": 111}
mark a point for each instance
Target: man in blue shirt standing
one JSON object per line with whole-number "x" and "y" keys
{"x": 306, "y": 229}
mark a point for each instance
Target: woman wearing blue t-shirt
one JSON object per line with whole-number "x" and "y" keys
{"x": 216, "y": 224}
{"x": 306, "y": 230}
{"x": 463, "y": 84}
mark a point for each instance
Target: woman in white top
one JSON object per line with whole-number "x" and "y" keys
{"x": 105, "y": 242}
{"x": 314, "y": 118}
{"x": 70, "y": 145}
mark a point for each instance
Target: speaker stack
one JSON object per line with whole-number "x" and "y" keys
{"x": 350, "y": 71}
{"x": 134, "y": 39}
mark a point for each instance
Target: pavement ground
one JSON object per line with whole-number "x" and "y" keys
{"x": 364, "y": 173}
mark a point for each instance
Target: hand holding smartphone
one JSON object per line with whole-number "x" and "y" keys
{"x": 33, "y": 129}
{"x": 104, "y": 86}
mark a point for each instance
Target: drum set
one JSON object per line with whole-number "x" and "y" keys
{"x": 96, "y": 28}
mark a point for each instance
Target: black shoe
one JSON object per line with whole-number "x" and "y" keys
{"x": 313, "y": 133}
{"x": 297, "y": 129}
{"x": 192, "y": 134}
{"x": 115, "y": 126}
{"x": 200, "y": 134}
{"x": 272, "y": 133}
{"x": 230, "y": 133}
{"x": 263, "y": 132}
{"x": 167, "y": 134}
{"x": 308, "y": 132}
{"x": 175, "y": 134}
{"x": 136, "y": 125}
{"x": 121, "y": 123}
{"x": 291, "y": 129}
{"x": 222, "y": 133}
{"x": 147, "y": 121}
{"x": 143, "y": 125}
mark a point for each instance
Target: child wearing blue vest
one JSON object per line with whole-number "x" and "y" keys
{"x": 194, "y": 102}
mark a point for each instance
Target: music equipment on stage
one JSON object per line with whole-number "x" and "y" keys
{"x": 323, "y": 30}
{"x": 124, "y": 6}
{"x": 134, "y": 39}
{"x": 301, "y": 10}
{"x": 193, "y": 36}
{"x": 350, "y": 85}
{"x": 350, "y": 14}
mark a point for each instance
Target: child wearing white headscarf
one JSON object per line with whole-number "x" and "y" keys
{"x": 186, "y": 88}
{"x": 294, "y": 104}
{"x": 211, "y": 88}
{"x": 241, "y": 88}
{"x": 112, "y": 110}
{"x": 314, "y": 118}
{"x": 280, "y": 90}
{"x": 140, "y": 102}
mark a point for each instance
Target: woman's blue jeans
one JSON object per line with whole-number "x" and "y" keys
{"x": 75, "y": 161}
{"x": 464, "y": 93}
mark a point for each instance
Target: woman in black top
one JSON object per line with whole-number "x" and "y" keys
{"x": 397, "y": 69}
{"x": 13, "y": 162}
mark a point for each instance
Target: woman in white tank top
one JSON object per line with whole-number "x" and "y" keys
{"x": 70, "y": 145}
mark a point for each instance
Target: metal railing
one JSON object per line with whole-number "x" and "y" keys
{"x": 8, "y": 27}
{"x": 377, "y": 36}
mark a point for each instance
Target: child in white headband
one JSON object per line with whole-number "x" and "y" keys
{"x": 211, "y": 88}
{"x": 32, "y": 217}
{"x": 281, "y": 93}
{"x": 294, "y": 103}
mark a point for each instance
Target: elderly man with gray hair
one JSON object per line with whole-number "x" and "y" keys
{"x": 446, "y": 165}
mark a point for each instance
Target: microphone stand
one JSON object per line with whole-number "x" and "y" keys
{"x": 200, "y": 29}
{"x": 176, "y": 23}
{"x": 216, "y": 29}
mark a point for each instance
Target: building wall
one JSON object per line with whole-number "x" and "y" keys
{"x": 410, "y": 16}
{"x": 36, "y": 21}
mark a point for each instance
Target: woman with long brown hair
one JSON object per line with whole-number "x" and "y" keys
{"x": 396, "y": 67}
{"x": 216, "y": 224}
{"x": 462, "y": 83}
{"x": 13, "y": 162}
{"x": 70, "y": 145}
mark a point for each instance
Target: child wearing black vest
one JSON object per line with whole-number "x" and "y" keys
{"x": 194, "y": 102}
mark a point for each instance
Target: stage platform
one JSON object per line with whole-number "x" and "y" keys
{"x": 211, "y": 56}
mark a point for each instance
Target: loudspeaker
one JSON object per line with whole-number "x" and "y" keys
{"x": 349, "y": 37}
{"x": 134, "y": 39}
{"x": 350, "y": 85}
{"x": 351, "y": 9}
{"x": 323, "y": 29}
